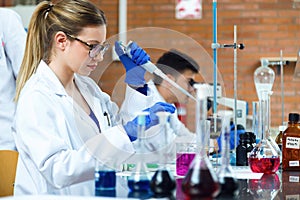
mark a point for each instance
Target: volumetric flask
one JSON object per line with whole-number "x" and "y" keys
{"x": 265, "y": 157}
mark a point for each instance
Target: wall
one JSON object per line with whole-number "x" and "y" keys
{"x": 264, "y": 26}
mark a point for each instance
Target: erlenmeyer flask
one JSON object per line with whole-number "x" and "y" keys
{"x": 227, "y": 178}
{"x": 139, "y": 180}
{"x": 163, "y": 182}
{"x": 265, "y": 157}
{"x": 201, "y": 180}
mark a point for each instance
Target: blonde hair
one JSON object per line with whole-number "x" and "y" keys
{"x": 69, "y": 16}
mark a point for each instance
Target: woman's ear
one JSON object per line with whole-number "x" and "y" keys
{"x": 60, "y": 40}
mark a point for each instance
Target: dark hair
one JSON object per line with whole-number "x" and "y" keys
{"x": 174, "y": 63}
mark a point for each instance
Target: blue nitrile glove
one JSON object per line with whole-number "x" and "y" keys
{"x": 134, "y": 72}
{"x": 151, "y": 119}
{"x": 240, "y": 130}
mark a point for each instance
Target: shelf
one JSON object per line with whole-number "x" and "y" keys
{"x": 276, "y": 60}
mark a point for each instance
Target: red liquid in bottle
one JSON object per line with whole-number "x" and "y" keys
{"x": 264, "y": 165}
{"x": 200, "y": 184}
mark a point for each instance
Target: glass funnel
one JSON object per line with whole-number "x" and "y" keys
{"x": 139, "y": 180}
{"x": 201, "y": 180}
{"x": 265, "y": 157}
{"x": 163, "y": 182}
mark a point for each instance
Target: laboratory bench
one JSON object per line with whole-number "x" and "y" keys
{"x": 281, "y": 185}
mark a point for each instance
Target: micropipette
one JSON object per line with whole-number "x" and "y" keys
{"x": 150, "y": 67}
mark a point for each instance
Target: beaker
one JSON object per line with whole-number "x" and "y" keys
{"x": 201, "y": 180}
{"x": 139, "y": 179}
{"x": 163, "y": 182}
{"x": 185, "y": 154}
{"x": 265, "y": 157}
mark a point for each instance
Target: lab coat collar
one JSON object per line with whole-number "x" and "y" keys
{"x": 153, "y": 91}
{"x": 45, "y": 71}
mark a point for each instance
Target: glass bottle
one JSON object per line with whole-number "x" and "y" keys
{"x": 242, "y": 150}
{"x": 227, "y": 178}
{"x": 265, "y": 157}
{"x": 139, "y": 180}
{"x": 290, "y": 184}
{"x": 201, "y": 180}
{"x": 163, "y": 182}
{"x": 278, "y": 139}
{"x": 291, "y": 144}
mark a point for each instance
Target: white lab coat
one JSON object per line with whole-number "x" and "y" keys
{"x": 58, "y": 142}
{"x": 177, "y": 131}
{"x": 12, "y": 45}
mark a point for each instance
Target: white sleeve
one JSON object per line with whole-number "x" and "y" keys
{"x": 42, "y": 136}
{"x": 133, "y": 102}
{"x": 15, "y": 38}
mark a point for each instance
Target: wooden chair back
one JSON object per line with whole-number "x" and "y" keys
{"x": 8, "y": 165}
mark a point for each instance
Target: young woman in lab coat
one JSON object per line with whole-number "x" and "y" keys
{"x": 12, "y": 45}
{"x": 64, "y": 122}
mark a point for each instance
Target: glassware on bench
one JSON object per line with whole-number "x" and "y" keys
{"x": 163, "y": 182}
{"x": 201, "y": 180}
{"x": 265, "y": 157}
{"x": 226, "y": 175}
{"x": 139, "y": 180}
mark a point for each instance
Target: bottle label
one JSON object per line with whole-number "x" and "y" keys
{"x": 292, "y": 197}
{"x": 294, "y": 179}
{"x": 294, "y": 163}
{"x": 293, "y": 143}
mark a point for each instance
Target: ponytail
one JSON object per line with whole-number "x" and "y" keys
{"x": 69, "y": 16}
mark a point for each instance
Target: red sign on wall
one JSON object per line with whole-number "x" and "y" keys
{"x": 188, "y": 9}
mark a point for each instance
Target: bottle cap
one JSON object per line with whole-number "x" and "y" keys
{"x": 244, "y": 136}
{"x": 293, "y": 117}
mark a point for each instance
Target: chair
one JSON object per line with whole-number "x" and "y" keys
{"x": 8, "y": 165}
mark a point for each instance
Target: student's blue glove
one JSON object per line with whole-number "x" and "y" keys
{"x": 151, "y": 119}
{"x": 134, "y": 72}
{"x": 240, "y": 130}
